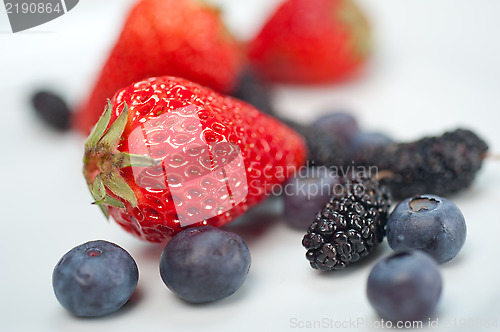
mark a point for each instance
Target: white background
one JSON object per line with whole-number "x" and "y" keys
{"x": 436, "y": 66}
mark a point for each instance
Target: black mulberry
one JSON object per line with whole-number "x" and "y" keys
{"x": 432, "y": 165}
{"x": 349, "y": 226}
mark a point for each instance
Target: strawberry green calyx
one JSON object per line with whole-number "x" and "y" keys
{"x": 102, "y": 162}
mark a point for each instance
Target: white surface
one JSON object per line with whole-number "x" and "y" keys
{"x": 436, "y": 66}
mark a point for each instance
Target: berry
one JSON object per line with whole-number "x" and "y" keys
{"x": 52, "y": 109}
{"x": 349, "y": 226}
{"x": 166, "y": 37}
{"x": 95, "y": 278}
{"x": 405, "y": 286}
{"x": 253, "y": 91}
{"x": 440, "y": 165}
{"x": 430, "y": 223}
{"x": 365, "y": 144}
{"x": 204, "y": 264}
{"x": 323, "y": 148}
{"x": 342, "y": 125}
{"x": 304, "y": 42}
{"x": 306, "y": 194}
{"x": 169, "y": 154}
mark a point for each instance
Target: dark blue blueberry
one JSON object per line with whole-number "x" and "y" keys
{"x": 52, "y": 109}
{"x": 405, "y": 286}
{"x": 255, "y": 92}
{"x": 95, "y": 278}
{"x": 341, "y": 124}
{"x": 365, "y": 143}
{"x": 306, "y": 193}
{"x": 204, "y": 264}
{"x": 430, "y": 223}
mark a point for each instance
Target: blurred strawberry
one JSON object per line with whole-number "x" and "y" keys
{"x": 169, "y": 154}
{"x": 184, "y": 38}
{"x": 311, "y": 41}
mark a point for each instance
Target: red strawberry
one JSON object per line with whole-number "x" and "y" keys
{"x": 311, "y": 41}
{"x": 168, "y": 154}
{"x": 166, "y": 37}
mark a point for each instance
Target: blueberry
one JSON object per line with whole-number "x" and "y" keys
{"x": 305, "y": 195}
{"x": 52, "y": 109}
{"x": 365, "y": 142}
{"x": 95, "y": 278}
{"x": 341, "y": 124}
{"x": 253, "y": 91}
{"x": 430, "y": 223}
{"x": 204, "y": 264}
{"x": 405, "y": 286}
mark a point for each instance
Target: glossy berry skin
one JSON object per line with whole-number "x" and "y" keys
{"x": 166, "y": 37}
{"x": 308, "y": 41}
{"x": 430, "y": 223}
{"x": 305, "y": 194}
{"x": 95, "y": 278}
{"x": 214, "y": 157}
{"x": 405, "y": 286}
{"x": 204, "y": 264}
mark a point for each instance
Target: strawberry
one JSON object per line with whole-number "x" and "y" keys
{"x": 168, "y": 154}
{"x": 311, "y": 41}
{"x": 166, "y": 37}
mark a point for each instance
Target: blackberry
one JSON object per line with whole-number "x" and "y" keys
{"x": 349, "y": 226}
{"x": 439, "y": 165}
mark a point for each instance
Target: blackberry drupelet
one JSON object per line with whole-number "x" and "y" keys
{"x": 349, "y": 226}
{"x": 439, "y": 165}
